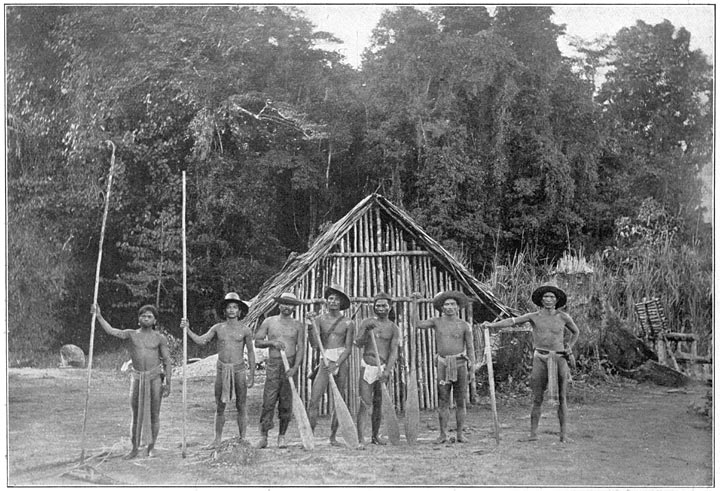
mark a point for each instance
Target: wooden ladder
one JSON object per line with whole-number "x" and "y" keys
{"x": 674, "y": 349}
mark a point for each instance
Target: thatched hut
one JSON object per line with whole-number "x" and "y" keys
{"x": 379, "y": 247}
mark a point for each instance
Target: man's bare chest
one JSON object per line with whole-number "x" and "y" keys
{"x": 145, "y": 341}
{"x": 232, "y": 335}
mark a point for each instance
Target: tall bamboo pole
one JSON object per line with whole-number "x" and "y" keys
{"x": 95, "y": 297}
{"x": 184, "y": 300}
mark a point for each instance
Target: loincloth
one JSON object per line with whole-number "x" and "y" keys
{"x": 227, "y": 372}
{"x": 372, "y": 372}
{"x": 448, "y": 367}
{"x": 143, "y": 429}
{"x": 551, "y": 362}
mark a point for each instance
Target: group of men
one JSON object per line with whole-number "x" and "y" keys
{"x": 335, "y": 334}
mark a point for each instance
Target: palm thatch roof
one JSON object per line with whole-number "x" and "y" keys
{"x": 296, "y": 267}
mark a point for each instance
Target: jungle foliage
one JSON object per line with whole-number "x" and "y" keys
{"x": 475, "y": 123}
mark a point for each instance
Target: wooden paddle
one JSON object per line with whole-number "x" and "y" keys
{"x": 388, "y": 408}
{"x": 412, "y": 404}
{"x": 346, "y": 425}
{"x": 298, "y": 409}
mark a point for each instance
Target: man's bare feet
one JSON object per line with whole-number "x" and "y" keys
{"x": 281, "y": 441}
{"x": 150, "y": 452}
{"x": 262, "y": 443}
{"x": 441, "y": 439}
{"x": 334, "y": 442}
{"x": 461, "y": 438}
{"x": 531, "y": 438}
{"x": 376, "y": 440}
{"x": 133, "y": 453}
{"x": 212, "y": 446}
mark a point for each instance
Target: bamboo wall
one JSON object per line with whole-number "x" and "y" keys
{"x": 377, "y": 255}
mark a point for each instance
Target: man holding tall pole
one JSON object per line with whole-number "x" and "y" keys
{"x": 234, "y": 337}
{"x": 454, "y": 347}
{"x": 551, "y": 356}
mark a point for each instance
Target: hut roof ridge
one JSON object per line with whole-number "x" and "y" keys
{"x": 298, "y": 265}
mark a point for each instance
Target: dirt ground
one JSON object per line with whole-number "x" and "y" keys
{"x": 622, "y": 434}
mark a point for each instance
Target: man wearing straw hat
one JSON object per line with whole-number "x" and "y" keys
{"x": 376, "y": 368}
{"x": 336, "y": 333}
{"x": 454, "y": 347}
{"x": 150, "y": 378}
{"x": 233, "y": 338}
{"x": 280, "y": 333}
{"x": 550, "y": 357}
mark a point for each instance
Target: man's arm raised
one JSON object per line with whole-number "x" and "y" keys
{"x": 118, "y": 333}
{"x": 428, "y": 324}
{"x": 202, "y": 340}
{"x": 509, "y": 322}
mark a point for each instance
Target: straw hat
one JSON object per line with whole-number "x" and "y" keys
{"x": 461, "y": 299}
{"x": 287, "y": 298}
{"x": 233, "y": 297}
{"x": 552, "y": 288}
{"x": 382, "y": 296}
{"x": 344, "y": 299}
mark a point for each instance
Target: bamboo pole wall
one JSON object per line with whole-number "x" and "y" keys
{"x": 374, "y": 255}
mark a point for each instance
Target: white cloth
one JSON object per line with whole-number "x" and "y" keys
{"x": 333, "y": 354}
{"x": 372, "y": 372}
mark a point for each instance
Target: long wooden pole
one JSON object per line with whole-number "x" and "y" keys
{"x": 184, "y": 299}
{"x": 95, "y": 298}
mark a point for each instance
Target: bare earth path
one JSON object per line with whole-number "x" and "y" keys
{"x": 623, "y": 434}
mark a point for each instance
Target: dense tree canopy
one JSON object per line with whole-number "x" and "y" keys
{"x": 473, "y": 122}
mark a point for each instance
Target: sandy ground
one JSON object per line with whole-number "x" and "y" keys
{"x": 621, "y": 434}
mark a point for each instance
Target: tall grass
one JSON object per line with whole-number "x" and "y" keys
{"x": 679, "y": 275}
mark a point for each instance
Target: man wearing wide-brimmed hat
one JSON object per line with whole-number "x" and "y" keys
{"x": 234, "y": 337}
{"x": 336, "y": 333}
{"x": 280, "y": 333}
{"x": 454, "y": 347}
{"x": 376, "y": 368}
{"x": 550, "y": 358}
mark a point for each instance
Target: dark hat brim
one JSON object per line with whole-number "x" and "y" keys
{"x": 344, "y": 299}
{"x": 243, "y": 306}
{"x": 559, "y": 294}
{"x": 288, "y": 301}
{"x": 461, "y": 299}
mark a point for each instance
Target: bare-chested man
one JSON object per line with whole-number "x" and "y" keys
{"x": 280, "y": 332}
{"x": 387, "y": 337}
{"x": 454, "y": 348}
{"x": 550, "y": 359}
{"x": 336, "y": 333}
{"x": 152, "y": 370}
{"x": 233, "y": 339}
